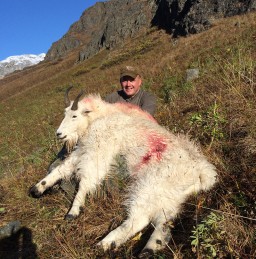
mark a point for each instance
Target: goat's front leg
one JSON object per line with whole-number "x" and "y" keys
{"x": 64, "y": 170}
{"x": 79, "y": 200}
{"x": 92, "y": 170}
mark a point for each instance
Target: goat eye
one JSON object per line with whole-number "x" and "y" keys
{"x": 74, "y": 116}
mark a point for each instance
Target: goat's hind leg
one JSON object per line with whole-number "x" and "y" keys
{"x": 127, "y": 229}
{"x": 138, "y": 218}
{"x": 159, "y": 238}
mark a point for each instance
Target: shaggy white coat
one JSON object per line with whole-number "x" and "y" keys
{"x": 166, "y": 168}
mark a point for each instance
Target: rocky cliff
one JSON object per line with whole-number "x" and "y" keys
{"x": 107, "y": 24}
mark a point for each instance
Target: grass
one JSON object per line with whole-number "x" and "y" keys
{"x": 217, "y": 109}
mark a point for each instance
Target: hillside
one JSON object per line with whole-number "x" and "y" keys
{"x": 217, "y": 109}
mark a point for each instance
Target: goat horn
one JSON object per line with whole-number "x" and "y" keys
{"x": 75, "y": 103}
{"x": 67, "y": 101}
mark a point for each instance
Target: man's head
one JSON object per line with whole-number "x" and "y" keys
{"x": 130, "y": 80}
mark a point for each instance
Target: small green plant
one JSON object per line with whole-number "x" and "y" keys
{"x": 239, "y": 200}
{"x": 168, "y": 88}
{"x": 209, "y": 123}
{"x": 173, "y": 86}
{"x": 208, "y": 236}
{"x": 147, "y": 84}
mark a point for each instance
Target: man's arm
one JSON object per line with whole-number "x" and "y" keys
{"x": 148, "y": 103}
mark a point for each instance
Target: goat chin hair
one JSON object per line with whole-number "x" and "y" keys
{"x": 70, "y": 145}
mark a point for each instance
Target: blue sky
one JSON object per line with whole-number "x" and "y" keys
{"x": 31, "y": 26}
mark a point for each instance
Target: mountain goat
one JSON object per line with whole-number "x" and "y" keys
{"x": 165, "y": 168}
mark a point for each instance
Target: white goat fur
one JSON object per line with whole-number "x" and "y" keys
{"x": 166, "y": 168}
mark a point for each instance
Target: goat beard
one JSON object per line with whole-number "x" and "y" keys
{"x": 70, "y": 145}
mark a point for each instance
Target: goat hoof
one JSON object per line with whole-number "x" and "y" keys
{"x": 69, "y": 217}
{"x": 105, "y": 246}
{"x": 146, "y": 253}
{"x": 33, "y": 192}
{"x": 113, "y": 246}
{"x": 99, "y": 247}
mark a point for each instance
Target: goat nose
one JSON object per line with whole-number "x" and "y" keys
{"x": 58, "y": 134}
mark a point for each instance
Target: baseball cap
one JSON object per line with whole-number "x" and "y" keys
{"x": 129, "y": 71}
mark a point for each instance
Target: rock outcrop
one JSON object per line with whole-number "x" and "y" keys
{"x": 107, "y": 24}
{"x": 183, "y": 17}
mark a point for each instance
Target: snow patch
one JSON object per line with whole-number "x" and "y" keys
{"x": 14, "y": 63}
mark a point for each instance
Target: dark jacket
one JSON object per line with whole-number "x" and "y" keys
{"x": 145, "y": 100}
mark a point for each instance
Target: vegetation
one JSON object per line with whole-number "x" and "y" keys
{"x": 217, "y": 109}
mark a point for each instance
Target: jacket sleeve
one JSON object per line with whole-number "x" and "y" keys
{"x": 110, "y": 98}
{"x": 148, "y": 103}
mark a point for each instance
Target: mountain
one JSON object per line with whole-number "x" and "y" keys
{"x": 14, "y": 63}
{"x": 108, "y": 24}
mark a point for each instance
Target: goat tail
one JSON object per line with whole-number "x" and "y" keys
{"x": 208, "y": 176}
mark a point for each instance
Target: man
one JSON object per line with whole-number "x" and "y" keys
{"x": 131, "y": 91}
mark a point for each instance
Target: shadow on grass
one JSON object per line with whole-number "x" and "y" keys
{"x": 18, "y": 245}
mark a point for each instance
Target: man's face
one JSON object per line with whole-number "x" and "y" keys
{"x": 130, "y": 85}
